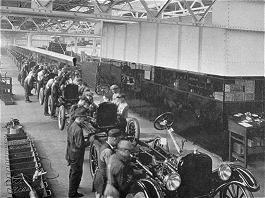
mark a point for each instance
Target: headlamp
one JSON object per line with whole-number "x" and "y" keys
{"x": 224, "y": 172}
{"x": 172, "y": 181}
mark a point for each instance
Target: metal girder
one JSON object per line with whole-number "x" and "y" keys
{"x": 207, "y": 11}
{"x": 75, "y": 16}
{"x": 190, "y": 11}
{"x": 53, "y": 33}
{"x": 163, "y": 8}
{"x": 49, "y": 23}
{"x": 147, "y": 8}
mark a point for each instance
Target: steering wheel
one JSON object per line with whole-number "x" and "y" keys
{"x": 164, "y": 121}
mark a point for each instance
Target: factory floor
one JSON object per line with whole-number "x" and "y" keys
{"x": 50, "y": 142}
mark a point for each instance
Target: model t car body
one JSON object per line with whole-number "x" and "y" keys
{"x": 106, "y": 118}
{"x": 187, "y": 175}
{"x": 41, "y": 89}
{"x": 69, "y": 96}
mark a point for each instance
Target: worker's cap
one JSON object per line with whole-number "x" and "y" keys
{"x": 80, "y": 112}
{"x": 64, "y": 69}
{"x": 114, "y": 87}
{"x": 121, "y": 95}
{"x": 114, "y": 133}
{"x": 125, "y": 144}
{"x": 31, "y": 73}
{"x": 88, "y": 93}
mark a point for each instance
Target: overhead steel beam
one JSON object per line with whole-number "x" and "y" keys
{"x": 163, "y": 8}
{"x": 53, "y": 33}
{"x": 74, "y": 16}
{"x": 207, "y": 11}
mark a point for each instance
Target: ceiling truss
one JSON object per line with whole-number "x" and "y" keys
{"x": 81, "y": 16}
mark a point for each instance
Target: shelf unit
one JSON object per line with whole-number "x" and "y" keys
{"x": 238, "y": 142}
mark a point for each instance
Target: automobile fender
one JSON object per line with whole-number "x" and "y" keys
{"x": 245, "y": 177}
{"x": 150, "y": 188}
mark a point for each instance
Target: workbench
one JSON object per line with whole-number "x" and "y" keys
{"x": 246, "y": 136}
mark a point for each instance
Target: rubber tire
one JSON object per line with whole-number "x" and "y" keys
{"x": 133, "y": 122}
{"x": 19, "y": 78}
{"x": 94, "y": 157}
{"x": 61, "y": 117}
{"x": 237, "y": 188}
{"x": 41, "y": 96}
{"x": 50, "y": 103}
{"x": 37, "y": 88}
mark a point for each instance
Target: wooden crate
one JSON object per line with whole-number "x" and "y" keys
{"x": 249, "y": 96}
{"x": 229, "y": 96}
{"x": 239, "y": 96}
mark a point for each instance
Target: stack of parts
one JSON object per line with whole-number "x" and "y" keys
{"x": 24, "y": 170}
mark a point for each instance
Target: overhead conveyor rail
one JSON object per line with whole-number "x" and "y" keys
{"x": 69, "y": 60}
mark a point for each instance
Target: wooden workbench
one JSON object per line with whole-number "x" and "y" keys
{"x": 245, "y": 137}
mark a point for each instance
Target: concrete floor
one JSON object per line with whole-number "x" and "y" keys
{"x": 50, "y": 142}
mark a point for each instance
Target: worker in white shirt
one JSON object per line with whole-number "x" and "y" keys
{"x": 47, "y": 93}
{"x": 40, "y": 77}
{"x": 122, "y": 111}
{"x": 115, "y": 92}
{"x": 28, "y": 84}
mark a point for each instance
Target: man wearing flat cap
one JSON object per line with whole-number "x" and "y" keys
{"x": 123, "y": 107}
{"x": 75, "y": 151}
{"x": 115, "y": 91}
{"x": 106, "y": 150}
{"x": 121, "y": 172}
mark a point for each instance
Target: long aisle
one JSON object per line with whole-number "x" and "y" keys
{"x": 49, "y": 141}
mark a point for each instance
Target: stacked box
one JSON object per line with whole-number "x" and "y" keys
{"x": 249, "y": 96}
{"x": 256, "y": 141}
{"x": 249, "y": 86}
{"x": 233, "y": 87}
{"x": 228, "y": 96}
{"x": 239, "y": 96}
{"x": 238, "y": 148}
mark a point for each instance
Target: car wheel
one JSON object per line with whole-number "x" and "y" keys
{"x": 50, "y": 103}
{"x": 38, "y": 90}
{"x": 94, "y": 157}
{"x": 234, "y": 190}
{"x": 61, "y": 117}
{"x": 133, "y": 128}
{"x": 41, "y": 96}
{"x": 19, "y": 78}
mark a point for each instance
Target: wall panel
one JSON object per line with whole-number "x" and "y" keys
{"x": 119, "y": 38}
{"x": 189, "y": 48}
{"x": 104, "y": 51}
{"x": 245, "y": 53}
{"x": 110, "y": 42}
{"x": 132, "y": 42}
{"x": 167, "y": 46}
{"x": 236, "y": 13}
{"x": 213, "y": 51}
{"x": 147, "y": 43}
